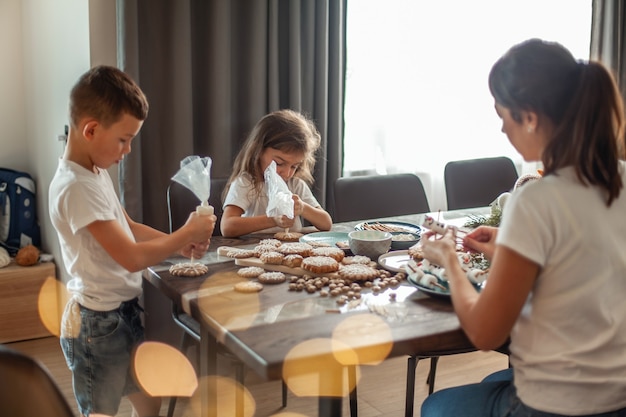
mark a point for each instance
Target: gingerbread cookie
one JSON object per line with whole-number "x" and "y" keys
{"x": 288, "y": 236}
{"x": 320, "y": 264}
{"x": 356, "y": 259}
{"x": 357, "y": 272}
{"x": 240, "y": 253}
{"x": 272, "y": 278}
{"x": 298, "y": 248}
{"x": 293, "y": 260}
{"x": 271, "y": 242}
{"x": 248, "y": 286}
{"x": 272, "y": 258}
{"x": 250, "y": 271}
{"x": 335, "y": 253}
{"x": 188, "y": 269}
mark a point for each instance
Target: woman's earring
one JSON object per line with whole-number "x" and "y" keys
{"x": 530, "y": 129}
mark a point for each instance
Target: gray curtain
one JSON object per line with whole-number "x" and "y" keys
{"x": 608, "y": 41}
{"x": 211, "y": 69}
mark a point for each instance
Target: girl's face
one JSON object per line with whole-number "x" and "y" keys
{"x": 286, "y": 163}
{"x": 523, "y": 135}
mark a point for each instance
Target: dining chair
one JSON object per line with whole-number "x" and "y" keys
{"x": 374, "y": 196}
{"x": 477, "y": 182}
{"x": 180, "y": 202}
{"x": 28, "y": 389}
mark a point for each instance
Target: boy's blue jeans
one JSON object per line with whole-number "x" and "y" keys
{"x": 495, "y": 396}
{"x": 98, "y": 348}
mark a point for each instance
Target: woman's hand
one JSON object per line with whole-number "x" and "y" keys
{"x": 440, "y": 250}
{"x": 483, "y": 240}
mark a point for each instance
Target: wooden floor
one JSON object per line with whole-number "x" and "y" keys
{"x": 381, "y": 389}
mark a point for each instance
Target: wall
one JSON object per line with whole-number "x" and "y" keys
{"x": 44, "y": 47}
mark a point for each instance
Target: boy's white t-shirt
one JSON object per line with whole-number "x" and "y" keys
{"x": 77, "y": 198}
{"x": 568, "y": 347}
{"x": 242, "y": 194}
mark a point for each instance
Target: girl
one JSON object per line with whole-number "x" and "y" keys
{"x": 557, "y": 278}
{"x": 290, "y": 140}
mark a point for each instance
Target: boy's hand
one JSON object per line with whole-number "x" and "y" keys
{"x": 195, "y": 250}
{"x": 200, "y": 226}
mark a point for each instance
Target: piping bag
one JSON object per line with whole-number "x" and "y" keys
{"x": 195, "y": 174}
{"x": 279, "y": 202}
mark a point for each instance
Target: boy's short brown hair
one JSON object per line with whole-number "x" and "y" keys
{"x": 106, "y": 93}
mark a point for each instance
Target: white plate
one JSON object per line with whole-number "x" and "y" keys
{"x": 395, "y": 260}
{"x": 326, "y": 237}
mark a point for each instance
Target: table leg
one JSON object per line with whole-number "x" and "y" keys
{"x": 208, "y": 367}
{"x": 331, "y": 380}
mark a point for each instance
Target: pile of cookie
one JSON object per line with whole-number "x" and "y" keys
{"x": 327, "y": 269}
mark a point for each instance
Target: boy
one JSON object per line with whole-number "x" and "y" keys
{"x": 103, "y": 249}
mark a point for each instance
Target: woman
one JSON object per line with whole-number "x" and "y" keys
{"x": 558, "y": 261}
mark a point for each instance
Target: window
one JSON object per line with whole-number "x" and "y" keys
{"x": 416, "y": 83}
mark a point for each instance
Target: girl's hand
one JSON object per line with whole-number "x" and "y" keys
{"x": 201, "y": 226}
{"x": 284, "y": 221}
{"x": 482, "y": 239}
{"x": 440, "y": 250}
{"x": 298, "y": 205}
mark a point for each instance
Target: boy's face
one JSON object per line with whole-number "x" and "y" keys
{"x": 109, "y": 144}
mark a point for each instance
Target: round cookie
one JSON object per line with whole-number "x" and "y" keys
{"x": 320, "y": 264}
{"x": 271, "y": 242}
{"x": 297, "y": 248}
{"x": 335, "y": 253}
{"x": 248, "y": 286}
{"x": 357, "y": 272}
{"x": 240, "y": 253}
{"x": 250, "y": 271}
{"x": 188, "y": 269}
{"x": 293, "y": 261}
{"x": 356, "y": 259}
{"x": 288, "y": 236}
{"x": 272, "y": 258}
{"x": 272, "y": 278}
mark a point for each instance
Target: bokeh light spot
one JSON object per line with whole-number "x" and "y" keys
{"x": 311, "y": 369}
{"x": 228, "y": 390}
{"x": 51, "y": 301}
{"x": 163, "y": 371}
{"x": 367, "y": 335}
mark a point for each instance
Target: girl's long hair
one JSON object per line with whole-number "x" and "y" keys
{"x": 285, "y": 130}
{"x": 581, "y": 99}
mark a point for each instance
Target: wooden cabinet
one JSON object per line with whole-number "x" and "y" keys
{"x": 19, "y": 292}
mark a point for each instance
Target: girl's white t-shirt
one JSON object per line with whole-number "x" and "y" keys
{"x": 242, "y": 194}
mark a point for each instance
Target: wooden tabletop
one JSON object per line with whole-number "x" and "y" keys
{"x": 262, "y": 329}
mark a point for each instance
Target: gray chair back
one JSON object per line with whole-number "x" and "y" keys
{"x": 477, "y": 182}
{"x": 181, "y": 201}
{"x": 376, "y": 196}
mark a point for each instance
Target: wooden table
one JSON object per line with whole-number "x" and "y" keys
{"x": 265, "y": 328}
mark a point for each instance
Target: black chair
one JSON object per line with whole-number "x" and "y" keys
{"x": 375, "y": 196}
{"x": 180, "y": 202}
{"x": 28, "y": 389}
{"x": 477, "y": 182}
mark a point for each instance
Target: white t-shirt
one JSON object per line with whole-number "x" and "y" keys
{"x": 241, "y": 194}
{"x": 77, "y": 198}
{"x": 568, "y": 347}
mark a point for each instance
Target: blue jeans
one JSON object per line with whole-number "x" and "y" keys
{"x": 98, "y": 348}
{"x": 495, "y": 396}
